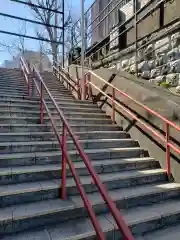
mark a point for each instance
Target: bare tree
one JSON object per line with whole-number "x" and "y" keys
{"x": 48, "y": 18}
{"x": 17, "y": 44}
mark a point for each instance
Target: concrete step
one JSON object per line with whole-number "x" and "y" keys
{"x": 125, "y": 198}
{"x": 14, "y": 127}
{"x": 9, "y": 73}
{"x": 11, "y": 80}
{"x": 26, "y": 216}
{"x": 13, "y": 86}
{"x": 35, "y": 108}
{"x": 20, "y": 86}
{"x": 22, "y": 174}
{"x": 131, "y": 197}
{"x": 17, "y": 95}
{"x": 12, "y": 93}
{"x": 79, "y": 229}
{"x": 152, "y": 217}
{"x": 13, "y": 89}
{"x": 31, "y": 113}
{"x": 21, "y": 93}
{"x": 8, "y": 81}
{"x": 55, "y": 93}
{"x": 33, "y": 158}
{"x": 36, "y": 119}
{"x": 166, "y": 233}
{"x": 25, "y": 100}
{"x": 48, "y": 136}
{"x": 20, "y": 81}
{"x": 69, "y": 105}
{"x": 141, "y": 220}
{"x": 15, "y": 147}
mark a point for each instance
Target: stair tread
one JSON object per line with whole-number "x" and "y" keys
{"x": 49, "y": 124}
{"x": 56, "y": 153}
{"x": 157, "y": 210}
{"x": 53, "y": 112}
{"x": 56, "y": 183}
{"x": 56, "y": 117}
{"x": 48, "y": 206}
{"x": 34, "y": 209}
{"x": 80, "y": 164}
{"x": 36, "y": 99}
{"x": 82, "y": 227}
{"x": 106, "y": 177}
{"x": 72, "y": 230}
{"x": 127, "y": 193}
{"x": 95, "y": 197}
{"x": 170, "y": 232}
{"x": 120, "y": 175}
{"x": 50, "y": 142}
{"x": 25, "y": 99}
{"x": 80, "y": 109}
{"x": 48, "y": 133}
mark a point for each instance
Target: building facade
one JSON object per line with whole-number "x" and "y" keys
{"x": 123, "y": 10}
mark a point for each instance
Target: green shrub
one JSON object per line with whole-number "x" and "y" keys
{"x": 165, "y": 85}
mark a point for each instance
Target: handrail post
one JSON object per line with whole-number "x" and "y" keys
{"x": 113, "y": 105}
{"x": 85, "y": 87}
{"x": 24, "y": 85}
{"x": 64, "y": 162}
{"x": 79, "y": 87}
{"x": 29, "y": 85}
{"x": 168, "y": 164}
{"x": 41, "y": 105}
{"x": 90, "y": 88}
{"x": 58, "y": 74}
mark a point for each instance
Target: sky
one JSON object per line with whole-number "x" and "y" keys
{"x": 13, "y": 25}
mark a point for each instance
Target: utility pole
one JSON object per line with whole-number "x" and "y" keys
{"x": 82, "y": 50}
{"x": 63, "y": 42}
{"x": 136, "y": 36}
{"x": 55, "y": 32}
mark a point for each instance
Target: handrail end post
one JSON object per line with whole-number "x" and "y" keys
{"x": 29, "y": 85}
{"x": 168, "y": 161}
{"x": 41, "y": 105}
{"x": 85, "y": 87}
{"x": 113, "y": 105}
{"x": 64, "y": 163}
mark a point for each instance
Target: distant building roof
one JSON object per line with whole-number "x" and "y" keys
{"x": 42, "y": 62}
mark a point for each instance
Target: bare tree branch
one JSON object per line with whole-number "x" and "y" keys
{"x": 18, "y": 44}
{"x": 47, "y": 17}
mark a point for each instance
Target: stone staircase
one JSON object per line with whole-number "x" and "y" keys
{"x": 30, "y": 172}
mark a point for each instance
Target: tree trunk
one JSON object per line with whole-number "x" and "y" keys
{"x": 54, "y": 52}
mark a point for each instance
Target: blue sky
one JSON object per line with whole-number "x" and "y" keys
{"x": 13, "y": 25}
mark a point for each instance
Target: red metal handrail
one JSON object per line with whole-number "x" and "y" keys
{"x": 27, "y": 78}
{"x": 65, "y": 158}
{"x": 138, "y": 103}
{"x": 167, "y": 123}
{"x": 70, "y": 82}
{"x": 64, "y": 73}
